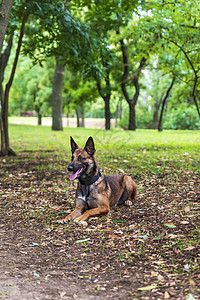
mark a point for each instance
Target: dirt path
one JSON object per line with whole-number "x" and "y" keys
{"x": 148, "y": 251}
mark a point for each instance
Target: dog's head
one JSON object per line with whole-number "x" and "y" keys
{"x": 83, "y": 163}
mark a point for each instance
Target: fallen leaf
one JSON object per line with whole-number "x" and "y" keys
{"x": 166, "y": 295}
{"x": 160, "y": 277}
{"x": 119, "y": 221}
{"x": 187, "y": 209}
{"x": 170, "y": 225}
{"x": 184, "y": 222}
{"x": 189, "y": 248}
{"x": 148, "y": 288}
{"x": 159, "y": 236}
{"x": 114, "y": 236}
{"x": 82, "y": 241}
{"x": 33, "y": 244}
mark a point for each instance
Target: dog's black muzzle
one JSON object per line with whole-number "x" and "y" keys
{"x": 70, "y": 168}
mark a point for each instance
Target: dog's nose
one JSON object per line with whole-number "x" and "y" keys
{"x": 70, "y": 168}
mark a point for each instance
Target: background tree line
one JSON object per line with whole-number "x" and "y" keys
{"x": 139, "y": 57}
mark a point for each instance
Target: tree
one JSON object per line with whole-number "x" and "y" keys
{"x": 105, "y": 93}
{"x": 57, "y": 94}
{"x": 51, "y": 24}
{"x": 5, "y": 9}
{"x": 164, "y": 103}
{"x": 32, "y": 88}
{"x": 177, "y": 24}
{"x": 77, "y": 93}
{"x": 105, "y": 17}
{"x": 135, "y": 79}
{"x": 5, "y": 146}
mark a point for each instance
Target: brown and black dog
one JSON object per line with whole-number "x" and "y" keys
{"x": 96, "y": 193}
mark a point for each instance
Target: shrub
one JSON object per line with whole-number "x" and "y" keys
{"x": 182, "y": 117}
{"x": 144, "y": 119}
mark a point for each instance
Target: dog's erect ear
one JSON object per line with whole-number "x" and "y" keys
{"x": 89, "y": 146}
{"x": 74, "y": 146}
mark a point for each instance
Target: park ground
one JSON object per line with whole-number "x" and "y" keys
{"x": 148, "y": 251}
{"x": 67, "y": 122}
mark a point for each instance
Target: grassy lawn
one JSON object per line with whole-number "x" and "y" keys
{"x": 140, "y": 150}
{"x": 148, "y": 251}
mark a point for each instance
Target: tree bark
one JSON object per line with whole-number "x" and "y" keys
{"x": 164, "y": 103}
{"x": 77, "y": 118}
{"x": 3, "y": 63}
{"x": 82, "y": 114}
{"x": 155, "y": 117}
{"x": 106, "y": 97}
{"x": 132, "y": 121}
{"x": 39, "y": 115}
{"x": 5, "y": 147}
{"x": 156, "y": 113}
{"x": 5, "y": 9}
{"x": 57, "y": 104}
{"x": 39, "y": 119}
{"x": 107, "y": 112}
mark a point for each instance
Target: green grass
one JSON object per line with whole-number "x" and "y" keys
{"x": 143, "y": 149}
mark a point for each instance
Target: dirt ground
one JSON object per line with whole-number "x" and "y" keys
{"x": 148, "y": 251}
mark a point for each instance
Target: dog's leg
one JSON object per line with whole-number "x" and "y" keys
{"x": 131, "y": 188}
{"x": 81, "y": 206}
{"x": 102, "y": 210}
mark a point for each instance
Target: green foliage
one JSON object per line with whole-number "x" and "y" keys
{"x": 182, "y": 117}
{"x": 32, "y": 88}
{"x": 84, "y": 34}
{"x": 144, "y": 118}
{"x": 53, "y": 31}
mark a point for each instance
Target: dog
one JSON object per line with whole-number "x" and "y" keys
{"x": 96, "y": 193}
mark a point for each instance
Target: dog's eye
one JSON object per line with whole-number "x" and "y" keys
{"x": 79, "y": 158}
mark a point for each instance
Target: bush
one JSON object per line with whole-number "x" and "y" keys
{"x": 182, "y": 117}
{"x": 144, "y": 119}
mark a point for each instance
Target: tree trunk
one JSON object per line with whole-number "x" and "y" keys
{"x": 118, "y": 113}
{"x": 157, "y": 104}
{"x": 3, "y": 64}
{"x": 132, "y": 122}
{"x": 77, "y": 118}
{"x": 5, "y": 147}
{"x": 155, "y": 118}
{"x": 106, "y": 96}
{"x": 5, "y": 9}
{"x": 39, "y": 119}
{"x": 163, "y": 104}
{"x": 107, "y": 112}
{"x": 82, "y": 115}
{"x": 57, "y": 95}
{"x": 135, "y": 79}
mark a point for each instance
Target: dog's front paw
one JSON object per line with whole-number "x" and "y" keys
{"x": 64, "y": 221}
{"x": 81, "y": 222}
{"x": 128, "y": 203}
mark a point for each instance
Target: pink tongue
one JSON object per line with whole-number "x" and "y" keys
{"x": 75, "y": 175}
